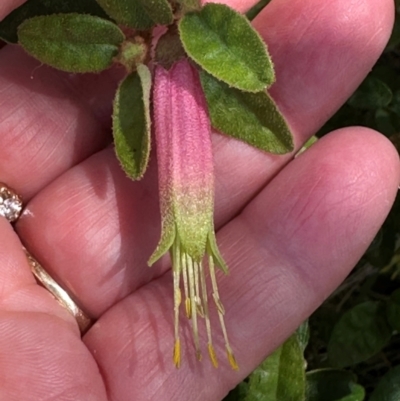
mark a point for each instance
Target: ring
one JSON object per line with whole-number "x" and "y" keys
{"x": 44, "y": 278}
{"x": 10, "y": 203}
{"x": 11, "y": 207}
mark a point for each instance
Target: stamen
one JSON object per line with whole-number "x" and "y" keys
{"x": 221, "y": 311}
{"x": 188, "y": 308}
{"x": 185, "y": 287}
{"x": 177, "y": 301}
{"x": 210, "y": 347}
{"x": 200, "y": 310}
{"x": 232, "y": 359}
{"x": 199, "y": 306}
{"x": 218, "y": 303}
{"x": 213, "y": 356}
{"x": 192, "y": 294}
{"x": 177, "y": 354}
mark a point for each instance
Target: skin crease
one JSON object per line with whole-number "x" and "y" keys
{"x": 288, "y": 244}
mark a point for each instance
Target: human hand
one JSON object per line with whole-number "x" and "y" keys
{"x": 290, "y": 230}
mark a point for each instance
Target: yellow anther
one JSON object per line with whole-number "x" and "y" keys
{"x": 188, "y": 307}
{"x": 177, "y": 354}
{"x": 198, "y": 355}
{"x": 213, "y": 356}
{"x": 232, "y": 360}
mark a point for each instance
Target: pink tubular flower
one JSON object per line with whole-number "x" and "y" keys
{"x": 186, "y": 185}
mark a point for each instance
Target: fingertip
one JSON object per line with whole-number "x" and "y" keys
{"x": 332, "y": 201}
{"x": 370, "y": 151}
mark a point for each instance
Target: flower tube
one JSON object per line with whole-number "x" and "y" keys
{"x": 186, "y": 185}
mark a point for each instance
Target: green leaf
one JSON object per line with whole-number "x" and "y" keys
{"x": 33, "y": 8}
{"x": 307, "y": 145}
{"x": 160, "y": 11}
{"x": 251, "y": 117}
{"x": 224, "y": 44}
{"x": 333, "y": 385}
{"x": 127, "y": 12}
{"x": 359, "y": 334}
{"x": 303, "y": 335}
{"x": 189, "y": 5}
{"x": 281, "y": 377}
{"x": 131, "y": 122}
{"x": 388, "y": 389}
{"x": 71, "y": 42}
{"x": 372, "y": 94}
{"x": 138, "y": 14}
{"x": 393, "y": 310}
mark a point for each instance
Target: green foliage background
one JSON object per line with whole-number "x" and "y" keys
{"x": 353, "y": 351}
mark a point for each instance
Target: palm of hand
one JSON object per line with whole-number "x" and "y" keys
{"x": 289, "y": 241}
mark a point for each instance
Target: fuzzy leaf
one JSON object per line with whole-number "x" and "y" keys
{"x": 131, "y": 122}
{"x": 359, "y": 334}
{"x": 251, "y": 117}
{"x": 388, "y": 389}
{"x": 160, "y": 11}
{"x": 333, "y": 385}
{"x": 303, "y": 335}
{"x": 127, "y": 12}
{"x": 71, "y": 42}
{"x": 224, "y": 44}
{"x": 138, "y": 14}
{"x": 307, "y": 145}
{"x": 189, "y": 5}
{"x": 281, "y": 376}
{"x": 33, "y": 8}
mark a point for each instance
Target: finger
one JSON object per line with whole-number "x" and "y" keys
{"x": 94, "y": 230}
{"x": 287, "y": 251}
{"x": 54, "y": 143}
{"x": 321, "y": 53}
{"x": 50, "y": 120}
{"x": 42, "y": 353}
{"x": 41, "y": 358}
{"x": 45, "y": 126}
{"x": 18, "y": 284}
{"x": 109, "y": 222}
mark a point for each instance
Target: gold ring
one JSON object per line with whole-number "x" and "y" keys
{"x": 11, "y": 207}
{"x": 44, "y": 278}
